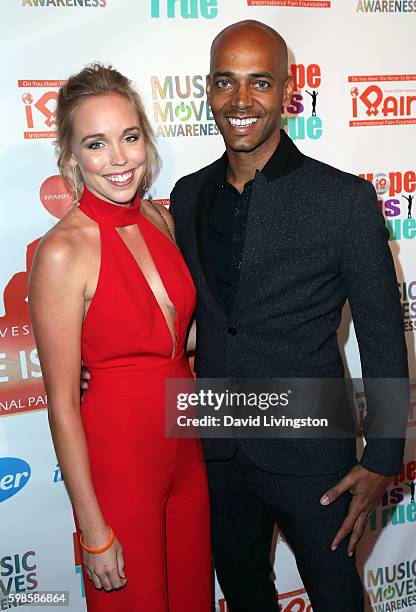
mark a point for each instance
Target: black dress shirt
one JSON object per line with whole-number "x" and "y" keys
{"x": 227, "y": 219}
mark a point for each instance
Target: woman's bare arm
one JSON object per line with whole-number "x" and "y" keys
{"x": 56, "y": 297}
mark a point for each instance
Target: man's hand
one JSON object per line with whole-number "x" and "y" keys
{"x": 85, "y": 377}
{"x": 367, "y": 489}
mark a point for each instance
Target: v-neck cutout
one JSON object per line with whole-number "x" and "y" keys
{"x": 118, "y": 216}
{"x": 170, "y": 323}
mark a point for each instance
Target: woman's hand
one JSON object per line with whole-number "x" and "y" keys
{"x": 191, "y": 340}
{"x": 106, "y": 569}
{"x": 84, "y": 380}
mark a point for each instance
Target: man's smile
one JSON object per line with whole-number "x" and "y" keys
{"x": 246, "y": 122}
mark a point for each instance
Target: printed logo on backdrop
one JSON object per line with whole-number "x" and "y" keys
{"x": 292, "y": 3}
{"x": 57, "y": 474}
{"x": 21, "y": 387}
{"x": 360, "y": 403}
{"x": 288, "y": 602}
{"x": 14, "y": 475}
{"x": 66, "y": 3}
{"x": 78, "y": 562}
{"x": 397, "y": 505}
{"x": 17, "y": 575}
{"x": 386, "y": 6}
{"x": 180, "y": 107}
{"x": 408, "y": 299}
{"x": 391, "y": 587}
{"x": 301, "y": 118}
{"x": 55, "y": 196}
{"x": 294, "y": 600}
{"x": 185, "y": 9}
{"x": 383, "y": 99}
{"x": 396, "y": 194}
{"x": 411, "y": 422}
{"x": 38, "y": 100}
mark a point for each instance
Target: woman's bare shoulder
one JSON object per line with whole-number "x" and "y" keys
{"x": 67, "y": 240}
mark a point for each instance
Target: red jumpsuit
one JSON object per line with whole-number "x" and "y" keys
{"x": 152, "y": 490}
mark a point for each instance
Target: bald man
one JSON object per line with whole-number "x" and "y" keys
{"x": 276, "y": 243}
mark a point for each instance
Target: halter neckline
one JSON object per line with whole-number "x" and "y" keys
{"x": 105, "y": 213}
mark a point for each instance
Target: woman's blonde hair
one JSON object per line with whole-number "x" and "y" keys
{"x": 93, "y": 80}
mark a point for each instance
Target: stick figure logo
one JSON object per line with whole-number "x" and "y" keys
{"x": 313, "y": 95}
{"x": 412, "y": 486}
{"x": 409, "y": 199}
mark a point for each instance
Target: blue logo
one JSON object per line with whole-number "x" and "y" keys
{"x": 14, "y": 474}
{"x": 57, "y": 474}
{"x": 187, "y": 9}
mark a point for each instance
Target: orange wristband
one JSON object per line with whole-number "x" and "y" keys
{"x": 101, "y": 549}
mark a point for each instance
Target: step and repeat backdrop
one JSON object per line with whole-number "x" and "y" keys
{"x": 353, "y": 106}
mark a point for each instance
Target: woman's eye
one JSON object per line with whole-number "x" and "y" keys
{"x": 96, "y": 145}
{"x": 131, "y": 138}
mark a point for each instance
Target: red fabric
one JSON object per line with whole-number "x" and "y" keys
{"x": 152, "y": 490}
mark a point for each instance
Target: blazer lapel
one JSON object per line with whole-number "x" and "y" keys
{"x": 270, "y": 212}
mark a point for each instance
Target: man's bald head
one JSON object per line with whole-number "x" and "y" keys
{"x": 255, "y": 32}
{"x": 247, "y": 87}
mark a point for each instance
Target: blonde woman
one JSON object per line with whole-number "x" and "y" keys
{"x": 109, "y": 288}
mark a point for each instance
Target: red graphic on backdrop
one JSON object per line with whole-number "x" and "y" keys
{"x": 21, "y": 387}
{"x": 39, "y": 99}
{"x": 163, "y": 201}
{"x": 292, "y": 3}
{"x": 292, "y": 601}
{"x": 56, "y": 196}
{"x": 383, "y": 99}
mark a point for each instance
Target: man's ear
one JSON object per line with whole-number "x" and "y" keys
{"x": 208, "y": 88}
{"x": 288, "y": 90}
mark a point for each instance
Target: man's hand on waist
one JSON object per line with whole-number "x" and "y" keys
{"x": 367, "y": 488}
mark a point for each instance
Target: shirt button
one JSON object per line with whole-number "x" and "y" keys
{"x": 232, "y": 330}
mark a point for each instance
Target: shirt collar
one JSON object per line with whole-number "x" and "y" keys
{"x": 285, "y": 158}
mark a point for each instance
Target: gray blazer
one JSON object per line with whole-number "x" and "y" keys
{"x": 314, "y": 238}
